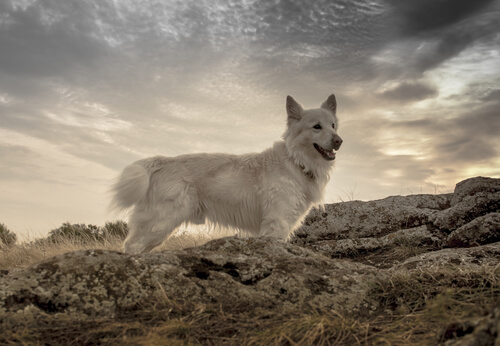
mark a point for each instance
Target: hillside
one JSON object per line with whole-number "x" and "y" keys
{"x": 419, "y": 269}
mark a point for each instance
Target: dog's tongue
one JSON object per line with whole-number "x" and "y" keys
{"x": 330, "y": 153}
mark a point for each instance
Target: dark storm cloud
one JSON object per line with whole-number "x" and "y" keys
{"x": 43, "y": 40}
{"x": 326, "y": 40}
{"x": 105, "y": 49}
{"x": 469, "y": 138}
{"x": 406, "y": 91}
{"x": 325, "y": 23}
{"x": 115, "y": 51}
{"x": 485, "y": 121}
{"x": 439, "y": 30}
{"x": 493, "y": 95}
{"x": 458, "y": 38}
{"x": 423, "y": 16}
{"x": 466, "y": 149}
{"x": 333, "y": 39}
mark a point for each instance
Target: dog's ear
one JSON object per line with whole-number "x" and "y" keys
{"x": 330, "y": 104}
{"x": 293, "y": 109}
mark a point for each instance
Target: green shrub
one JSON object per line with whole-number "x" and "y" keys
{"x": 117, "y": 229}
{"x": 80, "y": 233}
{"x": 7, "y": 237}
{"x": 83, "y": 234}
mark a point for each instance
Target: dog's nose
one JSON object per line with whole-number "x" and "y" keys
{"x": 337, "y": 142}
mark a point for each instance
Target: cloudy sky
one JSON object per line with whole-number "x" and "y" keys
{"x": 87, "y": 87}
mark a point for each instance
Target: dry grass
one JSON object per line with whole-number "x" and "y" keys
{"x": 406, "y": 247}
{"x": 419, "y": 306}
{"x": 192, "y": 237}
{"x": 26, "y": 254}
{"x": 416, "y": 309}
{"x": 35, "y": 251}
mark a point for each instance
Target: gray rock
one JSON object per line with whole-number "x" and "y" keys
{"x": 350, "y": 247}
{"x": 235, "y": 273}
{"x": 466, "y": 210}
{"x": 483, "y": 331}
{"x": 472, "y": 258}
{"x": 482, "y": 230}
{"x": 357, "y": 228}
{"x": 472, "y": 186}
{"x": 358, "y": 219}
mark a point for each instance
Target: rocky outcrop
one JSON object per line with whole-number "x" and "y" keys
{"x": 468, "y": 217}
{"x": 468, "y": 258}
{"x": 475, "y": 332}
{"x": 330, "y": 263}
{"x": 358, "y": 219}
{"x": 234, "y": 273}
{"x": 482, "y": 230}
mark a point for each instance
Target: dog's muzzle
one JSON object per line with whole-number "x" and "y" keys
{"x": 336, "y": 142}
{"x": 329, "y": 154}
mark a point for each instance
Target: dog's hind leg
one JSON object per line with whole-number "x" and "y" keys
{"x": 166, "y": 206}
{"x": 147, "y": 231}
{"x": 149, "y": 228}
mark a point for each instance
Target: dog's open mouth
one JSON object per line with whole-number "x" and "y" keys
{"x": 327, "y": 154}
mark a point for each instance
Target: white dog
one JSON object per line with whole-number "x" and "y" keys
{"x": 261, "y": 194}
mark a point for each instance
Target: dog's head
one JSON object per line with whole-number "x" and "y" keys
{"x": 312, "y": 134}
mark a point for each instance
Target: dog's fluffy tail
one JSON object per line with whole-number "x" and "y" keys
{"x": 130, "y": 188}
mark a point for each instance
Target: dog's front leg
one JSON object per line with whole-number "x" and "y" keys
{"x": 275, "y": 227}
{"x": 279, "y": 221}
{"x": 284, "y": 206}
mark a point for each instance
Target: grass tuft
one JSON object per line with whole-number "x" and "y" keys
{"x": 31, "y": 252}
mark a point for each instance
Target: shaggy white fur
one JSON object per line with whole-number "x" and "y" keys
{"x": 261, "y": 194}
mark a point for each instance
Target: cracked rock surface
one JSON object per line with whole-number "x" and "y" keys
{"x": 235, "y": 273}
{"x": 422, "y": 223}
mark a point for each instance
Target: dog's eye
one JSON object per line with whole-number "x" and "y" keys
{"x": 317, "y": 127}
{"x": 333, "y": 125}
